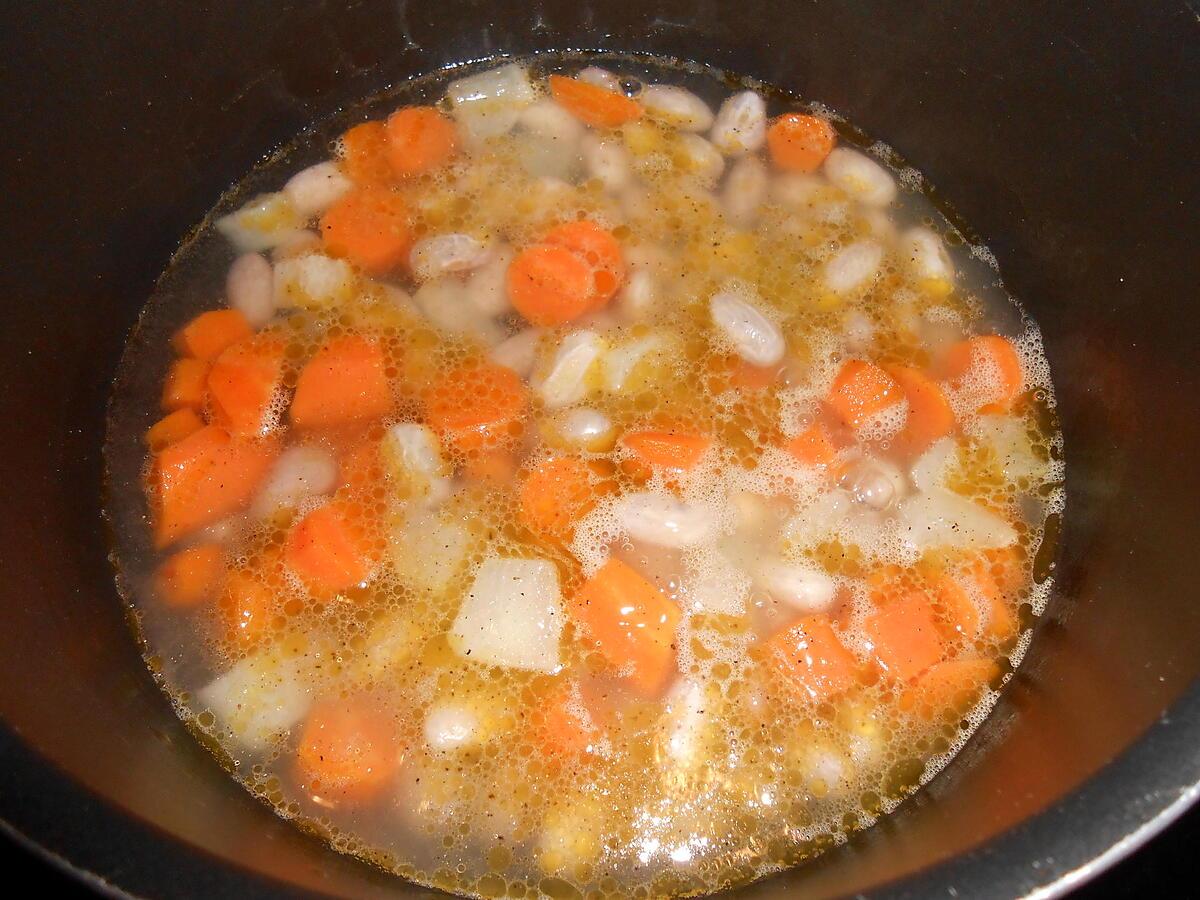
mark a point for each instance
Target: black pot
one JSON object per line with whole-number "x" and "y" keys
{"x": 1064, "y": 135}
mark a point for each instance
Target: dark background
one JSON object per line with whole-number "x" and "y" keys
{"x": 1154, "y": 871}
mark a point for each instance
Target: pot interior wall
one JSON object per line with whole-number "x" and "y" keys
{"x": 1061, "y": 139}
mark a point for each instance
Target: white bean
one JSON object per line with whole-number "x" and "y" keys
{"x": 518, "y": 352}
{"x": 587, "y": 428}
{"x": 754, "y": 337}
{"x": 250, "y": 288}
{"x": 444, "y": 302}
{"x": 548, "y": 120}
{"x": 299, "y": 473}
{"x": 313, "y": 281}
{"x": 664, "y": 521}
{"x": 606, "y": 160}
{"x": 925, "y": 254}
{"x": 487, "y": 287}
{"x": 745, "y": 190}
{"x": 315, "y": 189}
{"x": 638, "y": 295}
{"x": 805, "y": 588}
{"x": 740, "y": 125}
{"x": 450, "y": 726}
{"x": 853, "y": 266}
{"x": 601, "y": 78}
{"x": 443, "y": 253}
{"x": 677, "y": 106}
{"x": 567, "y": 381}
{"x": 702, "y": 158}
{"x": 860, "y": 177}
{"x": 620, "y": 361}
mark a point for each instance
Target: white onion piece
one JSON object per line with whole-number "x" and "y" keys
{"x": 702, "y": 158}
{"x": 450, "y": 726}
{"x": 664, "y": 521}
{"x": 925, "y": 254}
{"x": 606, "y": 160}
{"x": 567, "y": 380}
{"x": 548, "y": 158}
{"x": 412, "y": 457}
{"x": 429, "y": 549}
{"x": 620, "y": 361}
{"x": 740, "y": 125}
{"x": 853, "y": 266}
{"x": 250, "y": 288}
{"x": 929, "y": 470}
{"x": 299, "y": 473}
{"x": 487, "y": 288}
{"x": 313, "y": 281}
{"x": 548, "y": 120}
{"x": 518, "y": 352}
{"x": 745, "y": 190}
{"x": 676, "y": 106}
{"x": 511, "y": 616}
{"x": 754, "y": 337}
{"x": 802, "y": 587}
{"x": 259, "y": 699}
{"x": 262, "y": 223}
{"x": 489, "y": 104}
{"x": 638, "y": 295}
{"x": 445, "y": 253}
{"x": 1008, "y": 436}
{"x": 313, "y": 190}
{"x": 860, "y": 176}
{"x": 940, "y": 518}
{"x": 601, "y": 78}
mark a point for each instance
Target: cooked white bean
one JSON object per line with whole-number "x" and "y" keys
{"x": 444, "y": 302}
{"x": 265, "y": 221}
{"x": 924, "y": 252}
{"x": 587, "y": 428}
{"x": 638, "y": 295}
{"x": 601, "y": 78}
{"x": 701, "y": 157}
{"x": 853, "y": 266}
{"x": 450, "y": 726}
{"x": 313, "y": 281}
{"x": 548, "y": 120}
{"x": 412, "y": 459}
{"x": 805, "y": 588}
{"x": 859, "y": 331}
{"x": 569, "y": 376}
{"x": 518, "y": 352}
{"x": 315, "y": 189}
{"x": 755, "y": 338}
{"x": 299, "y": 473}
{"x": 676, "y": 106}
{"x": 740, "y": 125}
{"x": 664, "y": 521}
{"x": 860, "y": 177}
{"x": 487, "y": 288}
{"x": 745, "y": 190}
{"x": 607, "y": 160}
{"x": 250, "y": 288}
{"x": 443, "y": 253}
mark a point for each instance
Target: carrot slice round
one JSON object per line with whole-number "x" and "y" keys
{"x": 369, "y": 227}
{"x": 799, "y": 142}
{"x": 550, "y": 285}
{"x": 420, "y": 139}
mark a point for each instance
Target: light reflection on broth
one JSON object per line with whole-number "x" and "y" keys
{"x": 589, "y": 492}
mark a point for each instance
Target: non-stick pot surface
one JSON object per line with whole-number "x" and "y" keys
{"x": 1062, "y": 137}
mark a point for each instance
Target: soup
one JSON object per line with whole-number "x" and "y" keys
{"x": 585, "y": 481}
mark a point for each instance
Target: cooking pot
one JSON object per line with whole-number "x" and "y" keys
{"x": 1063, "y": 135}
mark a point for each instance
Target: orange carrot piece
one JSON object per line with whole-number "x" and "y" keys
{"x": 666, "y": 449}
{"x": 800, "y": 143}
{"x": 329, "y": 549}
{"x": 960, "y": 612}
{"x": 593, "y": 105}
{"x": 365, "y": 154}
{"x": 813, "y": 446}
{"x": 861, "y": 391}
{"x": 185, "y": 385}
{"x": 993, "y": 356}
{"x": 952, "y": 686}
{"x": 203, "y": 478}
{"x": 550, "y": 285}
{"x": 496, "y": 466}
{"x": 478, "y": 406}
{"x": 249, "y": 607}
{"x": 244, "y": 383}
{"x": 558, "y": 493}
{"x": 599, "y": 249}
{"x": 368, "y": 226}
{"x": 172, "y": 428}
{"x": 810, "y": 656}
{"x": 905, "y": 636}
{"x": 209, "y": 334}
{"x": 929, "y": 414}
{"x": 565, "y": 729}
{"x": 420, "y": 139}
{"x": 632, "y": 623}
{"x": 344, "y": 382}
{"x": 191, "y": 576}
{"x": 1000, "y": 622}
{"x": 347, "y": 751}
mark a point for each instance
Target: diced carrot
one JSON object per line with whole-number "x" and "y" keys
{"x": 347, "y": 751}
{"x": 905, "y": 637}
{"x": 593, "y": 105}
{"x": 478, "y": 406}
{"x": 496, "y": 466}
{"x": 209, "y": 334}
{"x": 952, "y": 686}
{"x": 675, "y": 450}
{"x": 329, "y": 548}
{"x": 172, "y": 428}
{"x": 557, "y": 494}
{"x": 205, "y": 477}
{"x": 800, "y": 143}
{"x": 191, "y": 576}
{"x": 862, "y": 391}
{"x": 929, "y": 414}
{"x": 420, "y": 139}
{"x": 1000, "y": 622}
{"x": 365, "y": 154}
{"x": 565, "y": 729}
{"x": 244, "y": 383}
{"x": 961, "y": 615}
{"x": 813, "y": 446}
{"x": 344, "y": 382}
{"x": 993, "y": 357}
{"x": 250, "y": 606}
{"x": 810, "y": 656}
{"x": 632, "y": 623}
{"x": 185, "y": 385}
{"x": 368, "y": 226}
{"x": 550, "y": 285}
{"x": 599, "y": 249}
